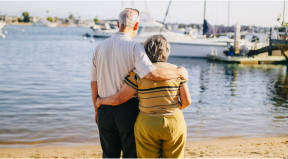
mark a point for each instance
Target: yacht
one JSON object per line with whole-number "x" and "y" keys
{"x": 148, "y": 27}
{"x": 185, "y": 45}
{"x": 200, "y": 48}
{"x": 188, "y": 45}
{"x": 104, "y": 30}
{"x": 45, "y": 23}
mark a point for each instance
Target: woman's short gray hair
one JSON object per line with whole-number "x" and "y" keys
{"x": 128, "y": 17}
{"x": 157, "y": 48}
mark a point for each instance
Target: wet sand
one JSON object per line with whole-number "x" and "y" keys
{"x": 269, "y": 147}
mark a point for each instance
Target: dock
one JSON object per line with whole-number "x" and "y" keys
{"x": 249, "y": 60}
{"x": 272, "y": 56}
{"x": 281, "y": 42}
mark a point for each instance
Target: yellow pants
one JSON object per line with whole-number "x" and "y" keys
{"x": 163, "y": 137}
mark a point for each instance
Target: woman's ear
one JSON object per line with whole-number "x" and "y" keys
{"x": 136, "y": 26}
{"x": 118, "y": 24}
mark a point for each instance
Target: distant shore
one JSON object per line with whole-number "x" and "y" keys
{"x": 30, "y": 24}
{"x": 268, "y": 147}
{"x": 21, "y": 23}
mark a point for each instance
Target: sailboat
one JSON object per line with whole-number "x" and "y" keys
{"x": 202, "y": 47}
{"x": 146, "y": 28}
{"x": 181, "y": 44}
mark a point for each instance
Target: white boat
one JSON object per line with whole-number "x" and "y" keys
{"x": 205, "y": 46}
{"x": 148, "y": 27}
{"x": 200, "y": 48}
{"x": 45, "y": 23}
{"x": 187, "y": 45}
{"x": 181, "y": 44}
{"x": 104, "y": 30}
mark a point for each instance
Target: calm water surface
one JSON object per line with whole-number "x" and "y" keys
{"x": 45, "y": 92}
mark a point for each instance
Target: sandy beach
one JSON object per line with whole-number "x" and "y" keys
{"x": 269, "y": 147}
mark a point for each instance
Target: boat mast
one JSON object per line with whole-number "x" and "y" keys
{"x": 165, "y": 17}
{"x": 122, "y": 5}
{"x": 204, "y": 9}
{"x": 146, "y": 5}
{"x": 204, "y": 16}
{"x": 132, "y": 4}
{"x": 283, "y": 22}
{"x": 228, "y": 12}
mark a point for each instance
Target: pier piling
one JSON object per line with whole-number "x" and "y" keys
{"x": 281, "y": 42}
{"x": 236, "y": 38}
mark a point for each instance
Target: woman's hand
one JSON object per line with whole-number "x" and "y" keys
{"x": 185, "y": 96}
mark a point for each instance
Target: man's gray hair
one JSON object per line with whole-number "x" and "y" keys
{"x": 157, "y": 48}
{"x": 128, "y": 17}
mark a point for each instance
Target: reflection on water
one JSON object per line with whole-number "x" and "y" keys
{"x": 280, "y": 90}
{"x": 45, "y": 92}
{"x": 279, "y": 97}
{"x": 235, "y": 100}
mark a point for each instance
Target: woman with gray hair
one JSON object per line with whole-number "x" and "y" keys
{"x": 160, "y": 128}
{"x": 157, "y": 48}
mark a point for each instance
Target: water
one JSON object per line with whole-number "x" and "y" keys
{"x": 45, "y": 94}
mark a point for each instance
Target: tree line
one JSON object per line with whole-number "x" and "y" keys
{"x": 26, "y": 18}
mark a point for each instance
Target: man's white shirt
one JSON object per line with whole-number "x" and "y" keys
{"x": 113, "y": 59}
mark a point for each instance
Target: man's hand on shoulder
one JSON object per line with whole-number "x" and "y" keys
{"x": 167, "y": 73}
{"x": 183, "y": 73}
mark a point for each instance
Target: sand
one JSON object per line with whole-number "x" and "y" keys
{"x": 269, "y": 147}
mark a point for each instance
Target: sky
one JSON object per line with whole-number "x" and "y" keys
{"x": 259, "y": 13}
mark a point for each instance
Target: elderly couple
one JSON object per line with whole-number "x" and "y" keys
{"x": 127, "y": 77}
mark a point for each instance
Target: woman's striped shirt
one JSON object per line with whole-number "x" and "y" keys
{"x": 157, "y": 98}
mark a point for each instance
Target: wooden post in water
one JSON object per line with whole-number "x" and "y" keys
{"x": 284, "y": 47}
{"x": 282, "y": 44}
{"x": 270, "y": 43}
{"x": 236, "y": 38}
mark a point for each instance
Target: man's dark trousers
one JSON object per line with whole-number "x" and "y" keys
{"x": 116, "y": 129}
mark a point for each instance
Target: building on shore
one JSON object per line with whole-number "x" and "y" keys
{"x": 8, "y": 19}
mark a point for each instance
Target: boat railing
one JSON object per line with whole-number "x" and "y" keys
{"x": 281, "y": 36}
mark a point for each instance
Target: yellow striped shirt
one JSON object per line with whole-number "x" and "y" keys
{"x": 157, "y": 97}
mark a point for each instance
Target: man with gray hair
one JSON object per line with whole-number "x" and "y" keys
{"x": 112, "y": 60}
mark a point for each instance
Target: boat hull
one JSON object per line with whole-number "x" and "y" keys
{"x": 101, "y": 36}
{"x": 104, "y": 33}
{"x": 195, "y": 50}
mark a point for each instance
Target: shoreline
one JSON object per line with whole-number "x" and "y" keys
{"x": 264, "y": 147}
